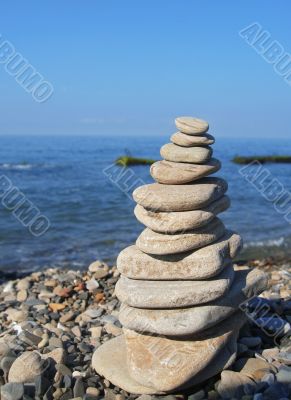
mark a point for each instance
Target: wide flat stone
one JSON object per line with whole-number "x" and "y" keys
{"x": 190, "y": 321}
{"x": 191, "y": 126}
{"x": 184, "y": 140}
{"x": 109, "y": 360}
{"x": 196, "y": 155}
{"x": 173, "y": 173}
{"x": 181, "y": 364}
{"x": 168, "y": 364}
{"x": 159, "y": 243}
{"x": 196, "y": 195}
{"x": 203, "y": 263}
{"x": 173, "y": 294}
{"x": 175, "y": 221}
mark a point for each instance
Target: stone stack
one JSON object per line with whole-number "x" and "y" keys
{"x": 179, "y": 291}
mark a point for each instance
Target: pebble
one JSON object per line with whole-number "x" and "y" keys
{"x": 92, "y": 285}
{"x": 112, "y": 329}
{"x": 21, "y": 295}
{"x": 178, "y": 154}
{"x": 63, "y": 369}
{"x": 191, "y": 126}
{"x": 189, "y": 197}
{"x": 155, "y": 294}
{"x": 198, "y": 395}
{"x": 99, "y": 269}
{"x": 284, "y": 374}
{"x": 96, "y": 331}
{"x": 67, "y": 317}
{"x": 12, "y": 391}
{"x": 177, "y": 173}
{"x": 182, "y": 139}
{"x": 284, "y": 357}
{"x": 76, "y": 331}
{"x": 163, "y": 244}
{"x": 79, "y": 389}
{"x": 92, "y": 391}
{"x": 233, "y": 384}
{"x": 26, "y": 368}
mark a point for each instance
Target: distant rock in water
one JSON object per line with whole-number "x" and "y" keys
{"x": 262, "y": 159}
{"x": 126, "y": 161}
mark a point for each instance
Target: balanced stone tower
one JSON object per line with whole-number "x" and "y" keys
{"x": 179, "y": 291}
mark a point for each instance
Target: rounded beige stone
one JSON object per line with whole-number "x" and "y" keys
{"x": 188, "y": 321}
{"x": 110, "y": 361}
{"x": 195, "y": 155}
{"x": 173, "y": 222}
{"x": 173, "y": 173}
{"x": 159, "y": 243}
{"x": 198, "y": 264}
{"x": 173, "y": 294}
{"x": 181, "y": 139}
{"x": 26, "y": 367}
{"x": 193, "y": 196}
{"x": 168, "y": 364}
{"x": 191, "y": 126}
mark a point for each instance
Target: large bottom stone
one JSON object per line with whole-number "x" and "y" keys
{"x": 173, "y": 294}
{"x": 198, "y": 264}
{"x": 156, "y": 365}
{"x": 168, "y": 364}
{"x": 189, "y": 321}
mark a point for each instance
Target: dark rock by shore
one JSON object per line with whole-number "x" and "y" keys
{"x": 52, "y": 321}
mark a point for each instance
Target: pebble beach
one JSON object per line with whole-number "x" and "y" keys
{"x": 52, "y": 321}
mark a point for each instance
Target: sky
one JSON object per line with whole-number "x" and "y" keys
{"x": 129, "y": 67}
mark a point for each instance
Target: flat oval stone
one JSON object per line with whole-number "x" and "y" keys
{"x": 189, "y": 321}
{"x": 198, "y": 264}
{"x": 172, "y": 222}
{"x": 195, "y": 155}
{"x": 181, "y": 139}
{"x": 191, "y": 126}
{"x": 159, "y": 243}
{"x": 173, "y": 294}
{"x": 196, "y": 195}
{"x": 173, "y": 173}
{"x": 198, "y": 360}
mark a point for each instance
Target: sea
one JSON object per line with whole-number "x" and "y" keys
{"x": 86, "y": 199}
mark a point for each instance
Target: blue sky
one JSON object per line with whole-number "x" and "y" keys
{"x": 130, "y": 67}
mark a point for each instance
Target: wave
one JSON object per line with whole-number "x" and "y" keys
{"x": 266, "y": 243}
{"x": 23, "y": 166}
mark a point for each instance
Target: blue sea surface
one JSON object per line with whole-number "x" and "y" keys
{"x": 73, "y": 183}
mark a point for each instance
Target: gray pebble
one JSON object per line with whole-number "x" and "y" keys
{"x": 284, "y": 374}
{"x": 12, "y": 391}
{"x": 63, "y": 369}
{"x": 79, "y": 389}
{"x": 197, "y": 396}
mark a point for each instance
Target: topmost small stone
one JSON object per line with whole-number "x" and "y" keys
{"x": 191, "y": 126}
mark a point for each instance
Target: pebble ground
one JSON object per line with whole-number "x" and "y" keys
{"x": 52, "y": 321}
